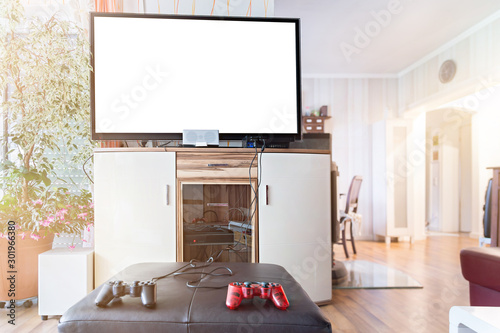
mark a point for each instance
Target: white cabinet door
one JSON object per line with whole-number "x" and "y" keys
{"x": 295, "y": 219}
{"x": 134, "y": 196}
{"x": 390, "y": 180}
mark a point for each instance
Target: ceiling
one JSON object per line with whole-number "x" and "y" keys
{"x": 377, "y": 37}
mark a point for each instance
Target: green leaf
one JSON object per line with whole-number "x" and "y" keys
{"x": 46, "y": 181}
{"x": 31, "y": 176}
{"x": 46, "y": 71}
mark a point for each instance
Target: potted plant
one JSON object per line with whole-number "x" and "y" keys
{"x": 58, "y": 212}
{"x": 27, "y": 229}
{"x": 44, "y": 78}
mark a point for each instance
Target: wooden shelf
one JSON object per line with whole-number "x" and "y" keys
{"x": 314, "y": 124}
{"x": 212, "y": 150}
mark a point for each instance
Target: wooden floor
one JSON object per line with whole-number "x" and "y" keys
{"x": 434, "y": 263}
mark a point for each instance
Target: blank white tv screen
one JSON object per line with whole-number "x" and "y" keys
{"x": 165, "y": 74}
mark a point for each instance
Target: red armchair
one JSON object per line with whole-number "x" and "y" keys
{"x": 481, "y": 267}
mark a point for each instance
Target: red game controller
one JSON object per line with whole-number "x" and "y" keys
{"x": 266, "y": 290}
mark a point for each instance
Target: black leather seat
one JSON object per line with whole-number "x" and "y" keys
{"x": 183, "y": 309}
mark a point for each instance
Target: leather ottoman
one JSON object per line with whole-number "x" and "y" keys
{"x": 182, "y": 309}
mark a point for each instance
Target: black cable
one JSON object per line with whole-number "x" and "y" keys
{"x": 204, "y": 275}
{"x": 255, "y": 191}
{"x": 238, "y": 254}
{"x": 250, "y": 170}
{"x": 256, "y": 198}
{"x": 228, "y": 214}
{"x": 216, "y": 255}
{"x": 211, "y": 273}
{"x": 260, "y": 178}
{"x": 219, "y": 254}
{"x": 165, "y": 144}
{"x": 83, "y": 167}
{"x": 191, "y": 263}
{"x": 228, "y": 249}
{"x": 211, "y": 211}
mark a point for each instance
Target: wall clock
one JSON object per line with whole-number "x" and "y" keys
{"x": 447, "y": 71}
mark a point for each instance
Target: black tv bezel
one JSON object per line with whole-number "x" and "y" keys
{"x": 272, "y": 137}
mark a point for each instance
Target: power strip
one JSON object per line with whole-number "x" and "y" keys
{"x": 240, "y": 226}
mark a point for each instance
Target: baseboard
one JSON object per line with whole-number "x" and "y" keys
{"x": 321, "y": 303}
{"x": 364, "y": 237}
{"x": 475, "y": 235}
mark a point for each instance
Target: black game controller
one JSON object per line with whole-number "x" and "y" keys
{"x": 114, "y": 289}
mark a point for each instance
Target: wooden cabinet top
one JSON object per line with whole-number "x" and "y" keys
{"x": 211, "y": 150}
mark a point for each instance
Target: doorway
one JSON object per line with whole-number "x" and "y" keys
{"x": 448, "y": 170}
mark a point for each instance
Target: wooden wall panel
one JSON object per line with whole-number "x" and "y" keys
{"x": 354, "y": 104}
{"x": 478, "y": 60}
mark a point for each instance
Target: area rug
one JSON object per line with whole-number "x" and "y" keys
{"x": 363, "y": 274}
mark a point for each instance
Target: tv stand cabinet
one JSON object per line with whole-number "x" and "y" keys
{"x": 137, "y": 194}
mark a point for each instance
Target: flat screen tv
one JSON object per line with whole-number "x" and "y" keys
{"x": 156, "y": 75}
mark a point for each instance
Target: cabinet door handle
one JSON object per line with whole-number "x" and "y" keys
{"x": 166, "y": 199}
{"x": 267, "y": 195}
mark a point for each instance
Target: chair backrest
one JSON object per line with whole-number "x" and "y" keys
{"x": 352, "y": 195}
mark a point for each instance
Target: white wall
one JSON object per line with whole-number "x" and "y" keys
{"x": 486, "y": 125}
{"x": 485, "y": 135}
{"x": 477, "y": 56}
{"x": 453, "y": 203}
{"x": 355, "y": 105}
{"x": 465, "y": 178}
{"x": 449, "y": 178}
